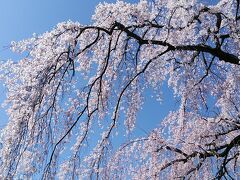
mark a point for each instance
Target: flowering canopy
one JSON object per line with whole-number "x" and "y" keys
{"x": 81, "y": 82}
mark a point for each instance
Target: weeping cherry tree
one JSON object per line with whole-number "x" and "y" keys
{"x": 80, "y": 88}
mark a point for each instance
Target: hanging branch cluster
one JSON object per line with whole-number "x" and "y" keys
{"x": 81, "y": 84}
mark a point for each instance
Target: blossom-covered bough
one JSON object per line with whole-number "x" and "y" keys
{"x": 84, "y": 84}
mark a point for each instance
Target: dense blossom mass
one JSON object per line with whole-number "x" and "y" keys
{"x": 80, "y": 87}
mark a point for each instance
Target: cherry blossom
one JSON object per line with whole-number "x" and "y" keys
{"x": 80, "y": 88}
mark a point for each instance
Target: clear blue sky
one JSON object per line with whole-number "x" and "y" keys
{"x": 19, "y": 19}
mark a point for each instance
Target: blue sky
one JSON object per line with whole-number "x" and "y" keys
{"x": 20, "y": 19}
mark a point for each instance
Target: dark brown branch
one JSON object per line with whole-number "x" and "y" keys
{"x": 225, "y": 56}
